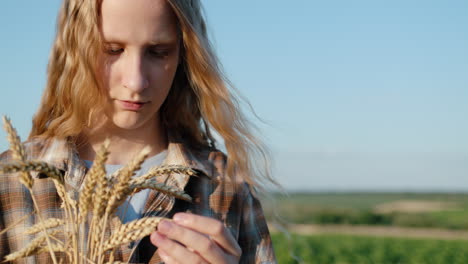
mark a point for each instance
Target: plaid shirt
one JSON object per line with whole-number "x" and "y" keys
{"x": 213, "y": 194}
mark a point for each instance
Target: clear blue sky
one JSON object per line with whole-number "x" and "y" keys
{"x": 358, "y": 94}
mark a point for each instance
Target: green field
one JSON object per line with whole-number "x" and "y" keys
{"x": 438, "y": 210}
{"x": 340, "y": 249}
{"x": 409, "y": 210}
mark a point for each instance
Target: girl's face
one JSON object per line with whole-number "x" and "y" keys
{"x": 139, "y": 59}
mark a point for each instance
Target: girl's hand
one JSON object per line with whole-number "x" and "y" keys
{"x": 195, "y": 239}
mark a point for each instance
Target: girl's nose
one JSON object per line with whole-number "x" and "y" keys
{"x": 134, "y": 76}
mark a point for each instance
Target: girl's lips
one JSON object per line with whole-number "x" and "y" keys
{"x": 132, "y": 106}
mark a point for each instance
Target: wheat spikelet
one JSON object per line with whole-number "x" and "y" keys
{"x": 111, "y": 257}
{"x": 91, "y": 176}
{"x": 118, "y": 190}
{"x": 62, "y": 192}
{"x": 101, "y": 193}
{"x": 100, "y": 196}
{"x": 49, "y": 223}
{"x": 163, "y": 170}
{"x": 54, "y": 248}
{"x": 115, "y": 175}
{"x": 132, "y": 231}
{"x": 16, "y": 147}
{"x": 161, "y": 187}
{"x": 42, "y": 167}
{"x": 97, "y": 235}
{"x": 28, "y": 166}
{"x": 17, "y": 150}
{"x": 48, "y": 169}
{"x": 31, "y": 249}
{"x": 34, "y": 251}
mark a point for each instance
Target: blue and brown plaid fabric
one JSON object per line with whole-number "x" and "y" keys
{"x": 213, "y": 194}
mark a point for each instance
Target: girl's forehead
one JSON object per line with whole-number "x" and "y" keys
{"x": 138, "y": 20}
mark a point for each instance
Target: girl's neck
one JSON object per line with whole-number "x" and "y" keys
{"x": 124, "y": 143}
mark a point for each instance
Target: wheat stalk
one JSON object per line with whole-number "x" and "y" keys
{"x": 38, "y": 249}
{"x": 100, "y": 198}
{"x": 28, "y": 166}
{"x": 41, "y": 167}
{"x": 163, "y": 170}
{"x": 17, "y": 150}
{"x": 161, "y": 187}
{"x": 89, "y": 183}
{"x": 132, "y": 231}
{"x": 31, "y": 249}
{"x": 19, "y": 154}
{"x": 49, "y": 223}
{"x": 125, "y": 175}
{"x": 99, "y": 195}
{"x": 116, "y": 193}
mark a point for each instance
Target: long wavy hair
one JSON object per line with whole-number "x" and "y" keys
{"x": 201, "y": 99}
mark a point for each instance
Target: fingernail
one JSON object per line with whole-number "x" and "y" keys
{"x": 164, "y": 226}
{"x": 180, "y": 218}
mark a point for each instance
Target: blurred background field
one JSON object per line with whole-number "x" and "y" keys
{"x": 369, "y": 227}
{"x": 439, "y": 210}
{"x": 368, "y": 250}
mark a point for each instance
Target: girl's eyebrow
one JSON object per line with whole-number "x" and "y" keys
{"x": 159, "y": 40}
{"x": 167, "y": 41}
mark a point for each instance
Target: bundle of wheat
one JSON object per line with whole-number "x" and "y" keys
{"x": 84, "y": 234}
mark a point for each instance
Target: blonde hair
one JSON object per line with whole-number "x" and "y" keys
{"x": 200, "y": 99}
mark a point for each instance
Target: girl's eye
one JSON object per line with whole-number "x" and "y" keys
{"x": 156, "y": 53}
{"x": 114, "y": 51}
{"x": 159, "y": 53}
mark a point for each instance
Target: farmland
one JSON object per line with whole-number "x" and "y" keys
{"x": 369, "y": 227}
{"x": 342, "y": 249}
{"x": 437, "y": 210}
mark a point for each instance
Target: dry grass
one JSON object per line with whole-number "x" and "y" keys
{"x": 415, "y": 206}
{"x": 84, "y": 234}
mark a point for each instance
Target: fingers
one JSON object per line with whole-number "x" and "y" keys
{"x": 202, "y": 244}
{"x": 211, "y": 227}
{"x": 195, "y": 239}
{"x": 178, "y": 253}
{"x": 166, "y": 258}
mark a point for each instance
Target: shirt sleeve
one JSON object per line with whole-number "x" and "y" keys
{"x": 254, "y": 236}
{"x": 3, "y": 238}
{"x": 4, "y": 249}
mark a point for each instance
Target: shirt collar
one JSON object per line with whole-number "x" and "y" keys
{"x": 62, "y": 153}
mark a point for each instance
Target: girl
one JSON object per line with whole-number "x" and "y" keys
{"x": 143, "y": 73}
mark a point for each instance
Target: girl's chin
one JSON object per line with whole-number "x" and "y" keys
{"x": 127, "y": 124}
{"x": 131, "y": 122}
